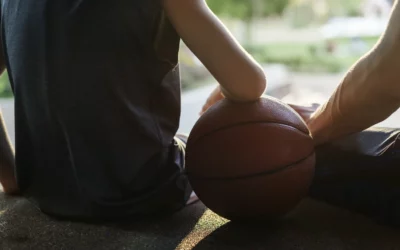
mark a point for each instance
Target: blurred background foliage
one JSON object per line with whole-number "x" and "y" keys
{"x": 261, "y": 25}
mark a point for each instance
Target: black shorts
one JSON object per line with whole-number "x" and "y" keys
{"x": 172, "y": 193}
{"x": 361, "y": 173}
{"x": 176, "y": 191}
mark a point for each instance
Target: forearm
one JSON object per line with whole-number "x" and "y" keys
{"x": 368, "y": 94}
{"x": 358, "y": 103}
{"x": 7, "y": 162}
{"x": 240, "y": 76}
{"x": 6, "y": 149}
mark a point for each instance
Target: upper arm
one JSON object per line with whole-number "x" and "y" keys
{"x": 213, "y": 44}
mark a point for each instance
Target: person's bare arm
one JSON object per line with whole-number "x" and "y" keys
{"x": 368, "y": 94}
{"x": 7, "y": 162}
{"x": 241, "y": 78}
{"x": 7, "y": 175}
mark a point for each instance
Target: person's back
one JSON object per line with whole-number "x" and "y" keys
{"x": 97, "y": 97}
{"x": 97, "y": 103}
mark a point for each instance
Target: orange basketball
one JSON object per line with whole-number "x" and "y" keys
{"x": 250, "y": 161}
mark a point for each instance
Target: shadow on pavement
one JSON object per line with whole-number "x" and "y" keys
{"x": 312, "y": 225}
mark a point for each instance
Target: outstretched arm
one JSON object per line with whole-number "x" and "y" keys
{"x": 7, "y": 163}
{"x": 240, "y": 77}
{"x": 369, "y": 93}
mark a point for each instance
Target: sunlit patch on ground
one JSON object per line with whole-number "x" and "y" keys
{"x": 205, "y": 226}
{"x": 2, "y": 223}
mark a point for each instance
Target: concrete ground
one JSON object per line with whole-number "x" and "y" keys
{"x": 312, "y": 225}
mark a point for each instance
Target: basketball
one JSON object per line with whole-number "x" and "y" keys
{"x": 250, "y": 161}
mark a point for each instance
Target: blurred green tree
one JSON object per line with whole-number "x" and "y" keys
{"x": 344, "y": 7}
{"x": 302, "y": 13}
{"x": 5, "y": 87}
{"x": 248, "y": 10}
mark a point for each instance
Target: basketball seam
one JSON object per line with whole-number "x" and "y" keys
{"x": 245, "y": 123}
{"x": 268, "y": 172}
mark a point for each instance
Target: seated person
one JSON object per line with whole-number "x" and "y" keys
{"x": 368, "y": 94}
{"x": 97, "y": 101}
{"x": 359, "y": 170}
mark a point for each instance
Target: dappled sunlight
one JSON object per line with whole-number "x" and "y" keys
{"x": 205, "y": 226}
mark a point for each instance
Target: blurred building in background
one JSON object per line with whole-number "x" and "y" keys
{"x": 377, "y": 8}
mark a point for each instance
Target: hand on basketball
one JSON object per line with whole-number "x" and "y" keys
{"x": 305, "y": 111}
{"x": 214, "y": 97}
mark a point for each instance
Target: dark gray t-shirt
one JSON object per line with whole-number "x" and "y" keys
{"x": 97, "y": 105}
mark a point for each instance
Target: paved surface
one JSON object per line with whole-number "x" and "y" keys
{"x": 312, "y": 225}
{"x": 192, "y": 103}
{"x": 306, "y": 89}
{"x": 318, "y": 88}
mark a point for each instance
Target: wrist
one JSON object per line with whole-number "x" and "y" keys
{"x": 320, "y": 129}
{"x": 236, "y": 98}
